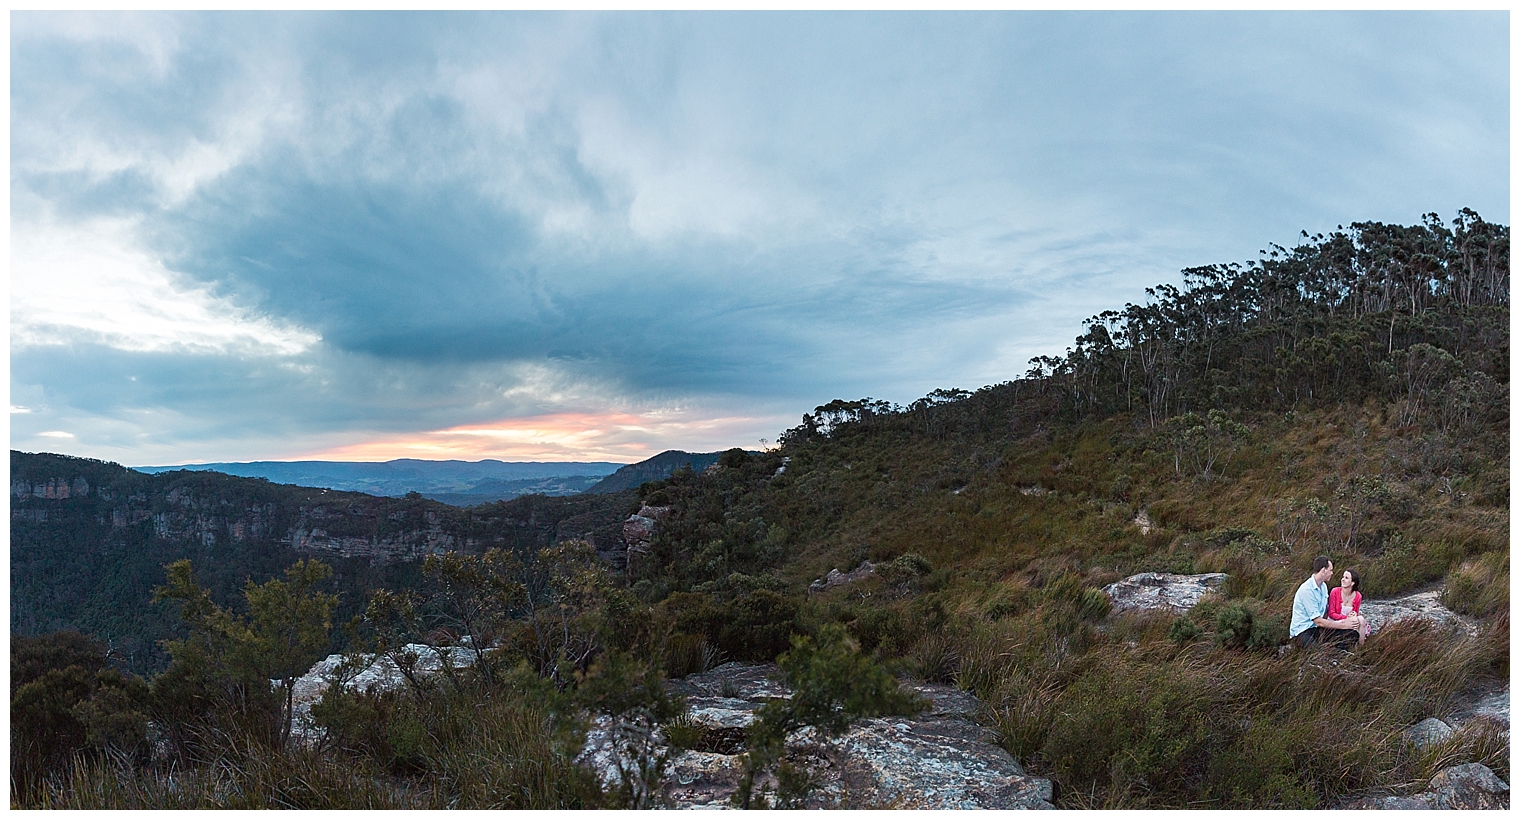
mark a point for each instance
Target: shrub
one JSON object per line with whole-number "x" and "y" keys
{"x": 689, "y": 654}
{"x": 884, "y": 630}
{"x": 1267, "y": 632}
{"x": 1087, "y": 603}
{"x": 935, "y": 658}
{"x": 357, "y": 721}
{"x": 1023, "y": 711}
{"x": 986, "y": 658}
{"x": 1183, "y": 631}
{"x": 757, "y": 625}
{"x": 1267, "y": 766}
{"x": 905, "y": 567}
{"x": 67, "y": 704}
{"x": 1233, "y": 624}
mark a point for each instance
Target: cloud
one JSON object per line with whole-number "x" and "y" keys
{"x": 90, "y": 282}
{"x": 323, "y": 232}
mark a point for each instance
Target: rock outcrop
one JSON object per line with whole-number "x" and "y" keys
{"x": 836, "y": 578}
{"x": 638, "y": 533}
{"x": 1491, "y": 707}
{"x": 1425, "y": 605}
{"x": 370, "y": 674}
{"x": 1468, "y": 786}
{"x": 1163, "y": 590}
{"x": 937, "y": 760}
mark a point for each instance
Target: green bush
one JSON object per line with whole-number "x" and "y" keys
{"x": 905, "y": 567}
{"x": 884, "y": 630}
{"x": 1270, "y": 766}
{"x": 1267, "y": 632}
{"x": 1183, "y": 630}
{"x": 1233, "y": 624}
{"x": 758, "y": 625}
{"x": 67, "y": 704}
{"x": 833, "y": 684}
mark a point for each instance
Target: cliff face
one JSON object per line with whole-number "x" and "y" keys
{"x": 89, "y": 540}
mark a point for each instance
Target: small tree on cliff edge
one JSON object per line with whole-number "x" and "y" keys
{"x": 286, "y": 630}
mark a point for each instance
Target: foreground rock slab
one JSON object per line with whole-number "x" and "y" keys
{"x": 940, "y": 759}
{"x": 1163, "y": 590}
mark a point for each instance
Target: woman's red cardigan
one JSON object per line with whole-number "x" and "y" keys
{"x": 1334, "y": 612}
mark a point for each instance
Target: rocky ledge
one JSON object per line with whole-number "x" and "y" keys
{"x": 1163, "y": 590}
{"x": 939, "y": 759}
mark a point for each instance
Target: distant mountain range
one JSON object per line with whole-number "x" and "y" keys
{"x": 459, "y": 483}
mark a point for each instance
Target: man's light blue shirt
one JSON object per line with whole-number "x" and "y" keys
{"x": 1309, "y": 602}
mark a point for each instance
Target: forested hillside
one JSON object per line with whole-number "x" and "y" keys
{"x": 1348, "y": 397}
{"x": 89, "y": 541}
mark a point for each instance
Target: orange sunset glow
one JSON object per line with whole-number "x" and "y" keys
{"x": 616, "y": 436}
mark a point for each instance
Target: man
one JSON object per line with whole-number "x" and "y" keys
{"x": 1309, "y": 625}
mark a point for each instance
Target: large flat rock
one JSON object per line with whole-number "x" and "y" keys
{"x": 940, "y": 759}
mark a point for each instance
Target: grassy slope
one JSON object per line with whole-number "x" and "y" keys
{"x": 1408, "y": 506}
{"x": 1070, "y": 498}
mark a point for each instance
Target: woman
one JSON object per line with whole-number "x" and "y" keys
{"x": 1346, "y": 602}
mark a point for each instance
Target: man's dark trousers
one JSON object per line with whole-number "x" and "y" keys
{"x": 1340, "y": 638}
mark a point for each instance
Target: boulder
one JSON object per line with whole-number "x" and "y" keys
{"x": 836, "y": 578}
{"x": 939, "y": 759}
{"x": 1163, "y": 590}
{"x": 1428, "y": 732}
{"x": 1469, "y": 786}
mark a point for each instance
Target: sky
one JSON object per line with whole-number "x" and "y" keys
{"x": 575, "y": 236}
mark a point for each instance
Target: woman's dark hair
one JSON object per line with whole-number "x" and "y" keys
{"x": 1356, "y": 581}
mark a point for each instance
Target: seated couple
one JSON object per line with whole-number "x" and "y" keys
{"x": 1332, "y": 616}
